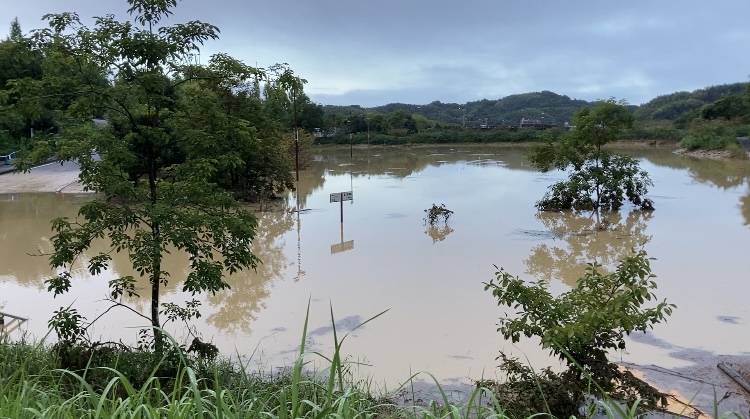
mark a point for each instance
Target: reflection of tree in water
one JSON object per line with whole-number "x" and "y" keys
{"x": 582, "y": 243}
{"x": 236, "y": 308}
{"x": 404, "y": 161}
{"x": 724, "y": 174}
{"x": 438, "y": 233}
{"x": 25, "y": 231}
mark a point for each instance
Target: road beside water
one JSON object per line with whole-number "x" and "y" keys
{"x": 50, "y": 177}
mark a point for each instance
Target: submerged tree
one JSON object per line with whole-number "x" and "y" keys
{"x": 157, "y": 189}
{"x": 598, "y": 179}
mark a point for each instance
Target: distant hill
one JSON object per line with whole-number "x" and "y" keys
{"x": 547, "y": 106}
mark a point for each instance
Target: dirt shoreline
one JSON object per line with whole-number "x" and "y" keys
{"x": 694, "y": 390}
{"x": 709, "y": 154}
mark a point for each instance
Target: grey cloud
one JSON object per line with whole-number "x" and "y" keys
{"x": 375, "y": 52}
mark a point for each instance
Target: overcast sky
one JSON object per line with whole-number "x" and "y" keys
{"x": 374, "y": 52}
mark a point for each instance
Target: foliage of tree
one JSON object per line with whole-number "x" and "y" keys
{"x": 730, "y": 106}
{"x": 287, "y": 101}
{"x": 18, "y": 61}
{"x": 175, "y": 136}
{"x": 597, "y": 179}
{"x": 57, "y": 78}
{"x": 400, "y": 123}
{"x": 580, "y": 326}
{"x": 247, "y": 142}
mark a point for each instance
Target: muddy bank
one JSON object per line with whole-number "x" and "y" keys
{"x": 692, "y": 391}
{"x": 695, "y": 390}
{"x": 708, "y": 154}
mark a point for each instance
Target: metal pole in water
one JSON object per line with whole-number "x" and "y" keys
{"x": 296, "y": 150}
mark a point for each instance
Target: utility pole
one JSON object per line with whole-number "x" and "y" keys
{"x": 296, "y": 132}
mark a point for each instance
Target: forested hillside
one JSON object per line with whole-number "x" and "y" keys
{"x": 508, "y": 111}
{"x": 673, "y": 105}
{"x": 546, "y": 106}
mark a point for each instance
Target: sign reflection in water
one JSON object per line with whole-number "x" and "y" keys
{"x": 440, "y": 319}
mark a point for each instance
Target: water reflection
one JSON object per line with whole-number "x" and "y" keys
{"x": 723, "y": 174}
{"x": 25, "y": 231}
{"x": 438, "y": 233}
{"x": 417, "y": 272}
{"x": 402, "y": 162}
{"x": 237, "y": 308}
{"x": 579, "y": 241}
{"x": 745, "y": 207}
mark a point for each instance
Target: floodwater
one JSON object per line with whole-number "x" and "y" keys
{"x": 430, "y": 280}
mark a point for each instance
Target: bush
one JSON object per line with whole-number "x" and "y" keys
{"x": 707, "y": 134}
{"x": 580, "y": 327}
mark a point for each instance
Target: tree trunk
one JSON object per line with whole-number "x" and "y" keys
{"x": 155, "y": 285}
{"x": 156, "y": 257}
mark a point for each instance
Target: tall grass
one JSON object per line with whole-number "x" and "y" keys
{"x": 32, "y": 386}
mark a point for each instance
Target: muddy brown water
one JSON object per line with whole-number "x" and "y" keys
{"x": 383, "y": 257}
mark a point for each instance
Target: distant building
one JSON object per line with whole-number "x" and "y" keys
{"x": 535, "y": 123}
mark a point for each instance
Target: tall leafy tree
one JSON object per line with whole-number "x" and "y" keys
{"x": 597, "y": 178}
{"x": 157, "y": 189}
{"x": 246, "y": 141}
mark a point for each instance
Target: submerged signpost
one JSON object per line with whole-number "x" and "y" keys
{"x": 340, "y": 197}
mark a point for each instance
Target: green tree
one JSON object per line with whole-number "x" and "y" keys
{"x": 18, "y": 61}
{"x": 156, "y": 191}
{"x": 597, "y": 179}
{"x": 247, "y": 143}
{"x": 580, "y": 326}
{"x": 730, "y": 106}
{"x": 400, "y": 123}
